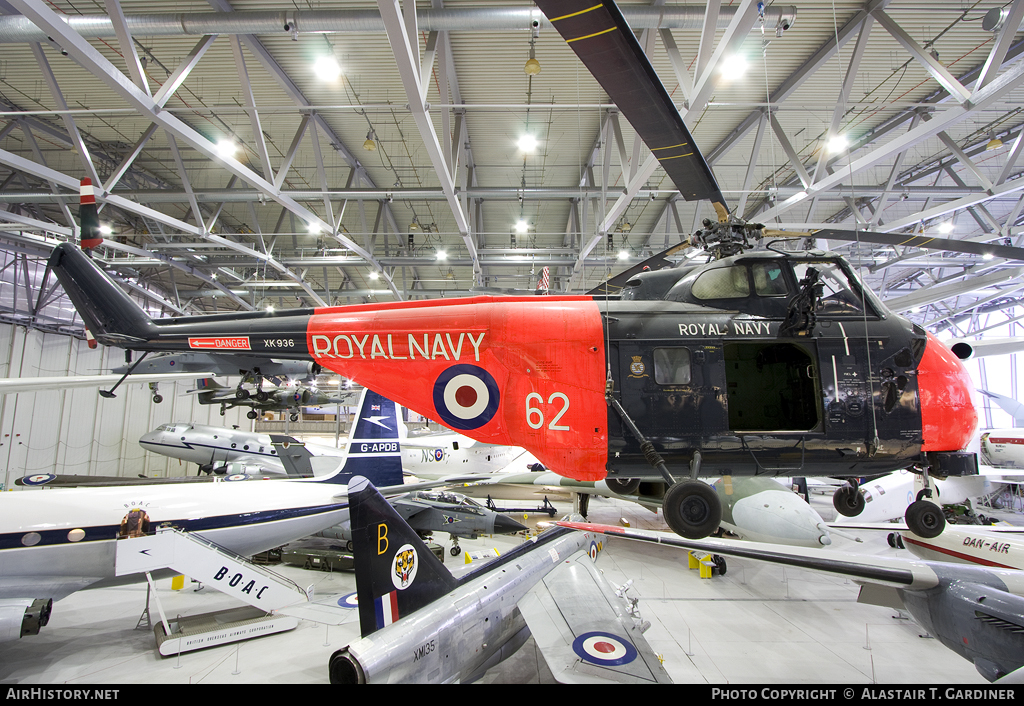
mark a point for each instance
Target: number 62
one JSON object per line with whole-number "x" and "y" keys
{"x": 535, "y": 416}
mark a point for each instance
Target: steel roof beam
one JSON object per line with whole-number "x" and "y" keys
{"x": 405, "y": 47}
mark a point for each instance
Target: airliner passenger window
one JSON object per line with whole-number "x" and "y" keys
{"x": 722, "y": 283}
{"x": 672, "y": 366}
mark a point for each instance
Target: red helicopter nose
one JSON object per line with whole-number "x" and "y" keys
{"x": 948, "y": 417}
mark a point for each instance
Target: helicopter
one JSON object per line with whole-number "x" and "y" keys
{"x": 756, "y": 362}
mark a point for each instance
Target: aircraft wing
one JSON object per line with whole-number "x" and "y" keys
{"x": 894, "y": 572}
{"x": 584, "y": 631}
{"x": 14, "y": 385}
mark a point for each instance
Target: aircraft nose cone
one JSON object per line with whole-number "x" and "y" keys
{"x": 948, "y": 416}
{"x": 503, "y": 524}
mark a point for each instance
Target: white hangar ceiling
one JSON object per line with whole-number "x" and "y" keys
{"x": 141, "y": 96}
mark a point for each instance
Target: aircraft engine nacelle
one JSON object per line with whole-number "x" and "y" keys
{"x": 344, "y": 668}
{"x": 962, "y": 350}
{"x": 978, "y": 622}
{"x": 23, "y": 616}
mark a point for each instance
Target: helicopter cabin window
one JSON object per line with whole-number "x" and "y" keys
{"x": 672, "y": 366}
{"x": 838, "y": 297}
{"x": 722, "y": 283}
{"x": 768, "y": 279}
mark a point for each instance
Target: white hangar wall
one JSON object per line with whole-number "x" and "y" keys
{"x": 76, "y": 431}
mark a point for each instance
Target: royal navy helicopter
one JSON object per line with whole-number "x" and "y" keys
{"x": 757, "y": 362}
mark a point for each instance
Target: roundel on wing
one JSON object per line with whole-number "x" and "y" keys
{"x": 604, "y": 649}
{"x": 466, "y": 396}
{"x": 236, "y": 477}
{"x": 350, "y": 600}
{"x": 39, "y": 479}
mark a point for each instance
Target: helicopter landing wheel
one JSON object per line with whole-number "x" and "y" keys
{"x": 455, "y": 550}
{"x": 623, "y": 486}
{"x": 251, "y": 414}
{"x": 848, "y": 501}
{"x": 157, "y": 399}
{"x": 294, "y": 417}
{"x": 692, "y": 509}
{"x": 925, "y": 519}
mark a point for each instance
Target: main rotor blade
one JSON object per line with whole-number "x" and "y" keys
{"x": 608, "y": 48}
{"x": 925, "y": 242}
{"x": 659, "y": 261}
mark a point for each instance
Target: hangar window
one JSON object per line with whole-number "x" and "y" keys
{"x": 672, "y": 366}
{"x": 722, "y": 283}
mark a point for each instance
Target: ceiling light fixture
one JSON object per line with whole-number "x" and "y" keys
{"x": 527, "y": 143}
{"x": 312, "y": 228}
{"x": 733, "y": 67}
{"x": 226, "y": 147}
{"x": 623, "y": 254}
{"x": 945, "y": 227}
{"x": 374, "y": 276}
{"x": 370, "y": 145}
{"x": 837, "y": 144}
{"x": 442, "y": 255}
{"x": 522, "y": 226}
{"x": 327, "y": 68}
{"x": 994, "y": 142}
{"x": 105, "y": 229}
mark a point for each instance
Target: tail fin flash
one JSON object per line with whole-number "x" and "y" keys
{"x": 373, "y": 448}
{"x": 396, "y": 573}
{"x": 373, "y": 445}
{"x": 88, "y": 215}
{"x": 107, "y": 311}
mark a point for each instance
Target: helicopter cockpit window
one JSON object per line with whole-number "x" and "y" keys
{"x": 722, "y": 283}
{"x": 838, "y": 297}
{"x": 768, "y": 279}
{"x": 672, "y": 366}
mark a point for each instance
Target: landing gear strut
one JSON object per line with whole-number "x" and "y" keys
{"x": 691, "y": 507}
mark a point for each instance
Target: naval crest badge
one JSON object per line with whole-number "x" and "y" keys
{"x": 637, "y": 369}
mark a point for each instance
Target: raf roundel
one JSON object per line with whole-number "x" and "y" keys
{"x": 604, "y": 649}
{"x": 40, "y": 479}
{"x": 466, "y": 397}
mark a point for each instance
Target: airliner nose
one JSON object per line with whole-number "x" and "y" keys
{"x": 948, "y": 416}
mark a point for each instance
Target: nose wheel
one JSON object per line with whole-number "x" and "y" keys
{"x": 925, "y": 519}
{"x": 848, "y": 501}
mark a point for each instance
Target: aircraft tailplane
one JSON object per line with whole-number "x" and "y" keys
{"x": 396, "y": 573}
{"x": 107, "y": 311}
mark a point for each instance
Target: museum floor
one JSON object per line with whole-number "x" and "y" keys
{"x": 756, "y": 624}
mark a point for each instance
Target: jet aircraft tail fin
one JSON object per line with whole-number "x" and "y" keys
{"x": 373, "y": 448}
{"x": 112, "y": 317}
{"x": 396, "y": 573}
